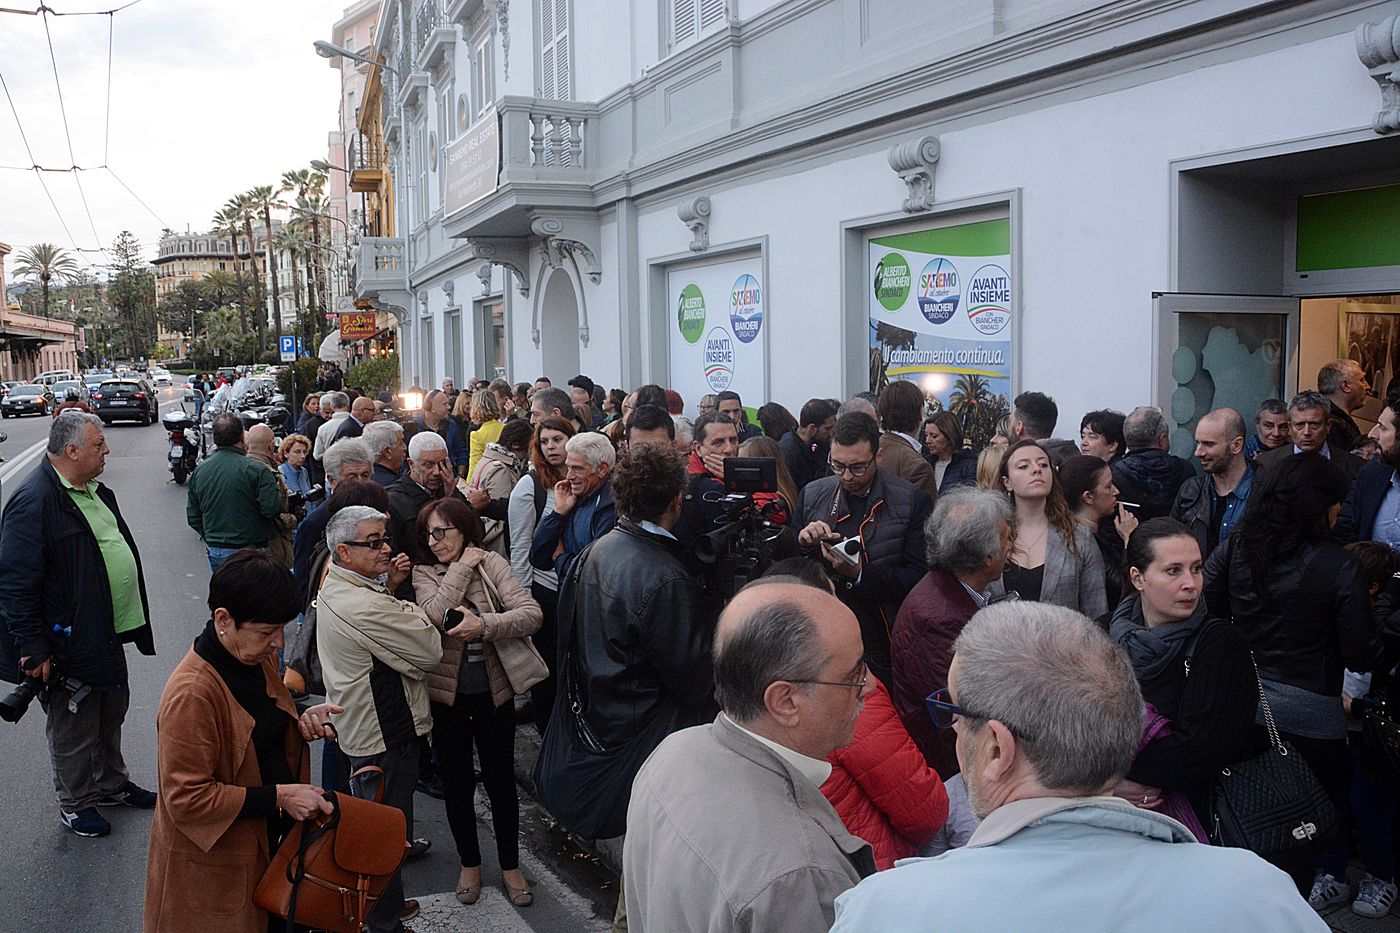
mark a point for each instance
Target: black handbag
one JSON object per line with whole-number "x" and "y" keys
{"x": 1271, "y": 804}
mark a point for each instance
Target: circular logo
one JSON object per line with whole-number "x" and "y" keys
{"x": 690, "y": 313}
{"x": 938, "y": 291}
{"x": 892, "y": 281}
{"x": 989, "y": 299}
{"x": 746, "y": 308}
{"x": 719, "y": 359}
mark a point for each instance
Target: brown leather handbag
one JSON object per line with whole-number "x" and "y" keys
{"x": 329, "y": 871}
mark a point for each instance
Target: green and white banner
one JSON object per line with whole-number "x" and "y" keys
{"x": 940, "y": 303}
{"x": 717, "y": 330}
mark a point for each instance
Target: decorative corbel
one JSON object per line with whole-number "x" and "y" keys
{"x": 423, "y": 311}
{"x": 695, "y": 214}
{"x": 448, "y": 287}
{"x": 1378, "y": 47}
{"x": 569, "y": 237}
{"x": 915, "y": 160}
{"x": 583, "y": 334}
{"x": 500, "y": 12}
{"x": 508, "y": 252}
{"x": 484, "y": 275}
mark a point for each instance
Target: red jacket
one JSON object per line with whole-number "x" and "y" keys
{"x": 881, "y": 787}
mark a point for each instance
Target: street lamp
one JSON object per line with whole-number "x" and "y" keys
{"x": 321, "y": 165}
{"x": 326, "y": 50}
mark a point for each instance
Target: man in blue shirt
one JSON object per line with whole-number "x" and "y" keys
{"x": 1211, "y": 505}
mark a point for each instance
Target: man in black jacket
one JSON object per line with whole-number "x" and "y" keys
{"x": 885, "y": 514}
{"x": 1147, "y": 474}
{"x": 71, "y": 596}
{"x": 805, "y": 446}
{"x": 429, "y": 477}
{"x": 634, "y": 635}
{"x": 1211, "y": 505}
{"x": 1371, "y": 511}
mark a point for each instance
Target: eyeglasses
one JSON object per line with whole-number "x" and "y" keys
{"x": 946, "y": 713}
{"x": 858, "y": 684}
{"x": 437, "y": 534}
{"x": 374, "y": 544}
{"x": 857, "y": 470}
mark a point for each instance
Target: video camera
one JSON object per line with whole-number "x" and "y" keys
{"x": 741, "y": 548}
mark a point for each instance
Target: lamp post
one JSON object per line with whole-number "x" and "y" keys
{"x": 327, "y": 50}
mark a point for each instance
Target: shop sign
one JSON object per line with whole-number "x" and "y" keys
{"x": 473, "y": 164}
{"x": 357, "y": 325}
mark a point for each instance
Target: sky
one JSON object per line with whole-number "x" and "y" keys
{"x": 208, "y": 99}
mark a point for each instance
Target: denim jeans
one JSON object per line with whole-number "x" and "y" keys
{"x": 217, "y": 555}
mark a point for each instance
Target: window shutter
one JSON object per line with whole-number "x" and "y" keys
{"x": 711, "y": 13}
{"x": 562, "y": 69}
{"x": 485, "y": 75}
{"x": 683, "y": 23}
{"x": 547, "y": 48}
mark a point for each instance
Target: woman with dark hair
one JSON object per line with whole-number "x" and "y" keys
{"x": 532, "y": 496}
{"x": 1087, "y": 483}
{"x": 953, "y": 465}
{"x": 500, "y": 468}
{"x": 775, "y": 420}
{"x": 1055, "y": 559}
{"x": 484, "y": 611}
{"x": 1301, "y": 599}
{"x": 231, "y": 749}
{"x": 1101, "y": 435}
{"x": 612, "y": 405}
{"x": 1195, "y": 674}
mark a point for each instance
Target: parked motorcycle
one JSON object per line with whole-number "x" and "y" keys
{"x": 186, "y": 438}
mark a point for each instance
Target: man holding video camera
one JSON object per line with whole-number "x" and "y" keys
{"x": 867, "y": 526}
{"x": 71, "y": 596}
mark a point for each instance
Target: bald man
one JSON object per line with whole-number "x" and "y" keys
{"x": 734, "y": 807}
{"x": 1211, "y": 505}
{"x": 362, "y": 412}
{"x": 262, "y": 446}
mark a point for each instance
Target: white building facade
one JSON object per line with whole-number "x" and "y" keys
{"x": 1182, "y": 203}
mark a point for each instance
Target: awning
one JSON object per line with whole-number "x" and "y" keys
{"x": 331, "y": 350}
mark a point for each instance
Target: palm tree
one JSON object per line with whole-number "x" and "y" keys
{"x": 970, "y": 394}
{"x": 228, "y": 221}
{"x": 289, "y": 241}
{"x": 308, "y": 185}
{"x": 221, "y": 287}
{"x": 263, "y": 196}
{"x": 46, "y": 262}
{"x": 244, "y": 207}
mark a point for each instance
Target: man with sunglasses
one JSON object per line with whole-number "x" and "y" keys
{"x": 1048, "y": 715}
{"x": 376, "y": 652}
{"x": 884, "y": 514}
{"x": 733, "y": 807}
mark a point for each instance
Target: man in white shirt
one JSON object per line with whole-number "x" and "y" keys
{"x": 339, "y": 404}
{"x": 734, "y": 807}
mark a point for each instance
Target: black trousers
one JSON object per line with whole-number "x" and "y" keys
{"x": 546, "y": 643}
{"x": 475, "y": 719}
{"x": 400, "y": 764}
{"x": 1328, "y": 760}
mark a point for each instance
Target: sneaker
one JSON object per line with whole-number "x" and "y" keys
{"x": 410, "y": 910}
{"x": 419, "y": 848}
{"x": 1328, "y": 891}
{"x": 1375, "y": 897}
{"x": 85, "y": 822}
{"x": 130, "y": 795}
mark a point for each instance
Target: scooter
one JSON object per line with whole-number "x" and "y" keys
{"x": 186, "y": 439}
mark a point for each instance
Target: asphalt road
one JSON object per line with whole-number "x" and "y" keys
{"x": 55, "y": 880}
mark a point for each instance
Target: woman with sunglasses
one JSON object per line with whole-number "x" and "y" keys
{"x": 1195, "y": 672}
{"x": 1055, "y": 559}
{"x": 483, "y": 608}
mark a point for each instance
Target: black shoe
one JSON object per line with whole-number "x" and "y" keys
{"x": 418, "y": 848}
{"x": 85, "y": 822}
{"x": 129, "y": 796}
{"x": 432, "y": 786}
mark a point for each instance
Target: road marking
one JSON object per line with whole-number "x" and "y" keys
{"x": 17, "y": 464}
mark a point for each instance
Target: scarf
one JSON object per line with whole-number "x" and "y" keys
{"x": 1151, "y": 651}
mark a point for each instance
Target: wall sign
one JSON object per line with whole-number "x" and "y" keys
{"x": 473, "y": 164}
{"x": 716, "y": 330}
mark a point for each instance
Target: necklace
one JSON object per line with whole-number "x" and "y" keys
{"x": 1026, "y": 550}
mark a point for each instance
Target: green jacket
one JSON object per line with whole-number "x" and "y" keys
{"x": 233, "y": 500}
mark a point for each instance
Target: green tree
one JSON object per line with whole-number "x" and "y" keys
{"x": 184, "y": 308}
{"x": 289, "y": 241}
{"x": 308, "y": 185}
{"x": 132, "y": 294}
{"x": 243, "y": 205}
{"x": 265, "y": 199}
{"x": 48, "y": 264}
{"x": 228, "y": 221}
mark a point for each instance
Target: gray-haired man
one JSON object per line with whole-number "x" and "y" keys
{"x": 376, "y": 652}
{"x": 1147, "y": 474}
{"x": 734, "y": 807}
{"x": 71, "y": 596}
{"x": 1048, "y": 715}
{"x": 346, "y": 461}
{"x": 1309, "y": 417}
{"x": 386, "y": 449}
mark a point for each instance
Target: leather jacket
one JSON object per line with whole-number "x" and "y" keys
{"x": 638, "y": 631}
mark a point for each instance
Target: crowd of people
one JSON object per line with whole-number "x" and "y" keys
{"x": 903, "y": 674}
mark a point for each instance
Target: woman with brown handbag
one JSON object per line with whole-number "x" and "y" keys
{"x": 487, "y": 659}
{"x": 233, "y": 769}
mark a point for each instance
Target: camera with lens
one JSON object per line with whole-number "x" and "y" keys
{"x": 15, "y": 704}
{"x": 742, "y": 545}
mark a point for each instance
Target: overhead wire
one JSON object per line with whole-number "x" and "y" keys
{"x": 107, "y": 132}
{"x": 67, "y": 132}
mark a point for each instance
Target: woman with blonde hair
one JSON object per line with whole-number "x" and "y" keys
{"x": 1055, "y": 559}
{"x": 988, "y": 466}
{"x": 485, "y": 413}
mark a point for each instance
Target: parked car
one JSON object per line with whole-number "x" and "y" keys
{"x": 128, "y": 399}
{"x": 27, "y": 399}
{"x": 159, "y": 376}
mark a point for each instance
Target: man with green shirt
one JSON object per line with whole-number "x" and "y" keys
{"x": 71, "y": 596}
{"x": 233, "y": 502}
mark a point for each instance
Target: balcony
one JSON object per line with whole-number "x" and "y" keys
{"x": 380, "y": 272}
{"x": 366, "y": 160}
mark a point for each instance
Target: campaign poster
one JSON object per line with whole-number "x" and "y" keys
{"x": 940, "y": 303}
{"x": 717, "y": 331}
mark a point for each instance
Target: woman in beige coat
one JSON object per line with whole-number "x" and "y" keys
{"x": 487, "y": 659}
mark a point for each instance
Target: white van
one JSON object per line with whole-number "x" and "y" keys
{"x": 52, "y": 376}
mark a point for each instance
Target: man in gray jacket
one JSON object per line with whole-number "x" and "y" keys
{"x": 727, "y": 829}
